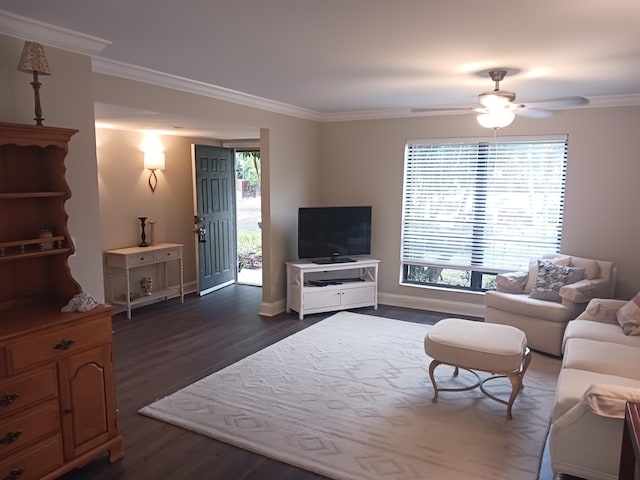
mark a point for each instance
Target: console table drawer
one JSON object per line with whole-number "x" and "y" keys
{"x": 57, "y": 344}
{"x": 164, "y": 255}
{"x": 141, "y": 259}
{"x": 26, "y": 390}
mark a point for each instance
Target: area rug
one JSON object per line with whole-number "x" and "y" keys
{"x": 350, "y": 398}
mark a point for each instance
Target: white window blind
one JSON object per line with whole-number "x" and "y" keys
{"x": 483, "y": 205}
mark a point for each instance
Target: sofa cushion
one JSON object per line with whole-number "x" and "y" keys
{"x": 521, "y": 304}
{"x": 573, "y": 383}
{"x": 629, "y": 316}
{"x": 591, "y": 267}
{"x": 599, "y": 331}
{"x": 551, "y": 278}
{"x": 602, "y": 357}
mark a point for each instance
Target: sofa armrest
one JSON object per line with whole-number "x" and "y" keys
{"x": 609, "y": 400}
{"x": 602, "y": 310}
{"x": 511, "y": 282}
{"x": 584, "y": 444}
{"x": 579, "y": 292}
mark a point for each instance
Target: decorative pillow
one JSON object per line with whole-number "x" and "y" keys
{"x": 557, "y": 258}
{"x": 551, "y": 278}
{"x": 629, "y": 316}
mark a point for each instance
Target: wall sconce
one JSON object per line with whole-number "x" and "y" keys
{"x": 153, "y": 161}
{"x": 34, "y": 60}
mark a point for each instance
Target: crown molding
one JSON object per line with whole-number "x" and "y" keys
{"x": 28, "y": 29}
{"x": 154, "y": 77}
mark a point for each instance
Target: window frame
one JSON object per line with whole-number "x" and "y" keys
{"x": 487, "y": 155}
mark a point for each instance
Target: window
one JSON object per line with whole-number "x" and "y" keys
{"x": 474, "y": 208}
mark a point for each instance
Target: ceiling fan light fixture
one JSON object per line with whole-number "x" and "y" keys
{"x": 496, "y": 118}
{"x": 496, "y": 99}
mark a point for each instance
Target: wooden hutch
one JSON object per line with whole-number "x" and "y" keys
{"x": 57, "y": 390}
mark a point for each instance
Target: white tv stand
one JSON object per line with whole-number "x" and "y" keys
{"x": 356, "y": 285}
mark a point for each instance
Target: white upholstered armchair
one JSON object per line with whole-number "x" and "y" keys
{"x": 543, "y": 300}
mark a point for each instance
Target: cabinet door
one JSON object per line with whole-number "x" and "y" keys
{"x": 358, "y": 296}
{"x": 87, "y": 400}
{"x": 321, "y": 297}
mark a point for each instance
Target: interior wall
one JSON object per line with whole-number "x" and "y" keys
{"x": 289, "y": 157}
{"x": 601, "y": 190}
{"x": 67, "y": 101}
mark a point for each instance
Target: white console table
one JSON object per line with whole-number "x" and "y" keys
{"x": 356, "y": 285}
{"x": 128, "y": 259}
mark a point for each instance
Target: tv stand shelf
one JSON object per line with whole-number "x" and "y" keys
{"x": 346, "y": 285}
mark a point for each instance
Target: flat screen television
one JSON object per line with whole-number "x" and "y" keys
{"x": 332, "y": 234}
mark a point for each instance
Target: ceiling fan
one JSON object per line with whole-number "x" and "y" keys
{"x": 497, "y": 108}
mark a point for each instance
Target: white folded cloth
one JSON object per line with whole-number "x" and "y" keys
{"x": 82, "y": 302}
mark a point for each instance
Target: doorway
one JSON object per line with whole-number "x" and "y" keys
{"x": 249, "y": 216}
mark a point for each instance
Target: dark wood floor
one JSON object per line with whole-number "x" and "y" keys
{"x": 167, "y": 346}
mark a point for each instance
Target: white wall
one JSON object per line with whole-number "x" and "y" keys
{"x": 67, "y": 101}
{"x": 601, "y": 195}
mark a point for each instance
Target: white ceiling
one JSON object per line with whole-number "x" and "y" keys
{"x": 340, "y": 58}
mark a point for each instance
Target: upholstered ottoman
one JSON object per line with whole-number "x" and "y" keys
{"x": 498, "y": 349}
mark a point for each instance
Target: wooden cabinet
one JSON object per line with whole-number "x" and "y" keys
{"x": 57, "y": 389}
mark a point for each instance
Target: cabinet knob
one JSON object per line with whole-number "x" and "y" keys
{"x": 10, "y": 437}
{"x": 68, "y": 411}
{"x": 7, "y": 399}
{"x": 15, "y": 474}
{"x": 64, "y": 344}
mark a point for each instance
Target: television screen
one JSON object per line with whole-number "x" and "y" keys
{"x": 333, "y": 233}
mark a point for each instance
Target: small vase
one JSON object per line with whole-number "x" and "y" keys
{"x": 45, "y": 234}
{"x": 152, "y": 240}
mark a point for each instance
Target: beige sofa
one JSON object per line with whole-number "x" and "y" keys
{"x": 544, "y": 321}
{"x": 600, "y": 372}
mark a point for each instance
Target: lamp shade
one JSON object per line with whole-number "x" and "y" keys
{"x": 496, "y": 119}
{"x": 154, "y": 160}
{"x": 33, "y": 59}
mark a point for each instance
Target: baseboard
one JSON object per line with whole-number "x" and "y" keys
{"x": 272, "y": 309}
{"x": 432, "y": 304}
{"x": 405, "y": 301}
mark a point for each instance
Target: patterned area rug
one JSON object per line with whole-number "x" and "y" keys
{"x": 350, "y": 398}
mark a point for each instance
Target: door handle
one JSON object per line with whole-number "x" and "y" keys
{"x": 200, "y": 229}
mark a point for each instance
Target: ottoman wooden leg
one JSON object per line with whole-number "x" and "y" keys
{"x": 432, "y": 367}
{"x": 516, "y": 379}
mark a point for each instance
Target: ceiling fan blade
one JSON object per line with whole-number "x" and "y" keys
{"x": 533, "y": 113}
{"x": 563, "y": 102}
